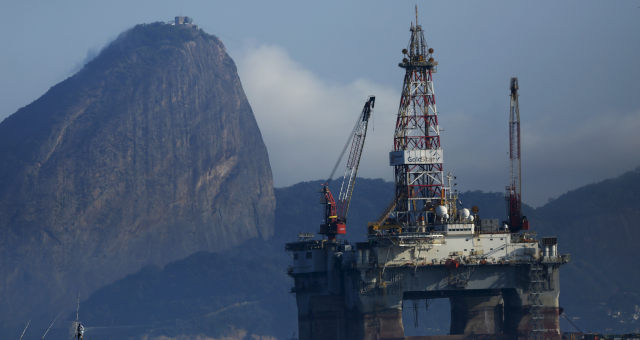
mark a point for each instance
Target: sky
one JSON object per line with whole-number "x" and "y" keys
{"x": 307, "y": 69}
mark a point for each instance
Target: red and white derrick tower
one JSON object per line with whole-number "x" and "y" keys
{"x": 516, "y": 221}
{"x": 417, "y": 154}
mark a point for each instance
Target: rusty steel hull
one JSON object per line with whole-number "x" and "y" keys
{"x": 351, "y": 300}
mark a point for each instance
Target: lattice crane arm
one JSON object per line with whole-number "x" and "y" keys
{"x": 335, "y": 213}
{"x": 353, "y": 162}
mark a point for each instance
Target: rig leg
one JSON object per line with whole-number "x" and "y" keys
{"x": 477, "y": 315}
{"x": 383, "y": 325}
{"x": 525, "y": 320}
{"x": 325, "y": 319}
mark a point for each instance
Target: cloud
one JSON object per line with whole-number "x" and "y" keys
{"x": 591, "y": 149}
{"x": 305, "y": 120}
{"x": 559, "y": 153}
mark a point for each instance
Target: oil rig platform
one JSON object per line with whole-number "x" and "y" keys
{"x": 501, "y": 281}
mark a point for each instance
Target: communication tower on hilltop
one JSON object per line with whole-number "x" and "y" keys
{"x": 417, "y": 154}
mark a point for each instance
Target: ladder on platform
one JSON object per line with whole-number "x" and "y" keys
{"x": 536, "y": 288}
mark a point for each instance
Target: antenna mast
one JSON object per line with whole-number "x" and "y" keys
{"x": 25, "y": 329}
{"x": 50, "y": 325}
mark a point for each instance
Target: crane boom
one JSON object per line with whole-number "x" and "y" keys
{"x": 517, "y": 222}
{"x": 353, "y": 162}
{"x": 335, "y": 212}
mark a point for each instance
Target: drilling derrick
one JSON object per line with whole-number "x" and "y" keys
{"x": 500, "y": 284}
{"x": 417, "y": 154}
{"x": 517, "y": 222}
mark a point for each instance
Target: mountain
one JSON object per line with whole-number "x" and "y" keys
{"x": 243, "y": 290}
{"x": 598, "y": 225}
{"x": 242, "y": 293}
{"x": 239, "y": 299}
{"x": 594, "y": 223}
{"x": 148, "y": 154}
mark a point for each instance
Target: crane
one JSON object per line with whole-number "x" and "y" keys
{"x": 516, "y": 221}
{"x": 335, "y": 211}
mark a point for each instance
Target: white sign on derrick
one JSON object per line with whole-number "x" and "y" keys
{"x": 431, "y": 156}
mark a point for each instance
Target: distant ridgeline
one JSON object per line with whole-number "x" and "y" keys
{"x": 598, "y": 294}
{"x": 147, "y": 155}
{"x": 123, "y": 181}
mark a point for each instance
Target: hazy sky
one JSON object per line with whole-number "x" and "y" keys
{"x": 307, "y": 69}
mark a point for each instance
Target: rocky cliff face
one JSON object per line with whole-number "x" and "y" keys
{"x": 148, "y": 154}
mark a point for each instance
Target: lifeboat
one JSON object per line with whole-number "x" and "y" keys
{"x": 452, "y": 263}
